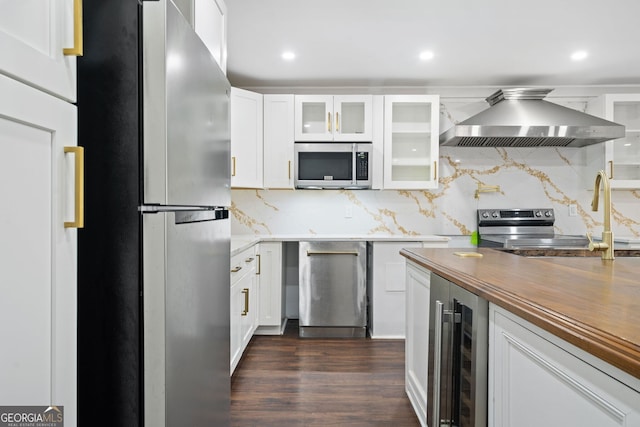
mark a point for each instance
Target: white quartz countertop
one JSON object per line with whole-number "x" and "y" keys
{"x": 242, "y": 242}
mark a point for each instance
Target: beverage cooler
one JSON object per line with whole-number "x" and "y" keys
{"x": 458, "y": 350}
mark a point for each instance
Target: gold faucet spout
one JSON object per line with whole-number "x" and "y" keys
{"x": 607, "y": 235}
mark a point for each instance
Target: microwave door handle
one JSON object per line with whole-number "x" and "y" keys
{"x": 354, "y": 164}
{"x": 437, "y": 362}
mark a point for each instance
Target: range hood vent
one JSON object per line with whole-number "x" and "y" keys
{"x": 521, "y": 118}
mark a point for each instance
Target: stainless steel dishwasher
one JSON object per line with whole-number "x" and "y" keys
{"x": 333, "y": 289}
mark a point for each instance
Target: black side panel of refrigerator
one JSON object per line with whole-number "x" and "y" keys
{"x": 109, "y": 317}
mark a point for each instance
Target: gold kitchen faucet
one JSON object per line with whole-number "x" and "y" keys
{"x": 606, "y": 246}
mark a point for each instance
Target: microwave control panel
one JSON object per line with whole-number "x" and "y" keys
{"x": 362, "y": 166}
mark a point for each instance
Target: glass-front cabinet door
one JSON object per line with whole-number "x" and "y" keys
{"x": 324, "y": 118}
{"x": 352, "y": 118}
{"x": 411, "y": 128}
{"x": 620, "y": 158}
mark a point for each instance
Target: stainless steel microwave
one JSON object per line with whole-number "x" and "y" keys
{"x": 331, "y": 165}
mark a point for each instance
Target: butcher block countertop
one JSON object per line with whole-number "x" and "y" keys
{"x": 591, "y": 303}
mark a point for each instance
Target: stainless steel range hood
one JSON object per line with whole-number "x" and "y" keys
{"x": 521, "y": 118}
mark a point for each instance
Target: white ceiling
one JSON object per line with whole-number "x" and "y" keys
{"x": 376, "y": 43}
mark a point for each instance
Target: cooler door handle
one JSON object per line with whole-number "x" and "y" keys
{"x": 437, "y": 362}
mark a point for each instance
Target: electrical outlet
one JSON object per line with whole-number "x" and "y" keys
{"x": 348, "y": 212}
{"x": 573, "y": 210}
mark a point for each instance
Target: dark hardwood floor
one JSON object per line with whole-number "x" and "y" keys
{"x": 288, "y": 381}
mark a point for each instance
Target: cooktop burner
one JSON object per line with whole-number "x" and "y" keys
{"x": 523, "y": 228}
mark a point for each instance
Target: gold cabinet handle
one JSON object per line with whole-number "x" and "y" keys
{"x": 329, "y": 122}
{"x": 76, "y": 50}
{"x": 611, "y": 169}
{"x": 289, "y": 169}
{"x": 435, "y": 171}
{"x": 236, "y": 269}
{"x": 337, "y": 122}
{"x": 258, "y": 269}
{"x": 78, "y": 221}
{"x": 248, "y": 260}
{"x": 233, "y": 166}
{"x": 245, "y": 311}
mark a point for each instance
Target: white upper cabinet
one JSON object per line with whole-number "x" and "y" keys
{"x": 278, "y": 141}
{"x": 33, "y": 37}
{"x": 210, "y": 23}
{"x": 246, "y": 139}
{"x": 323, "y": 118}
{"x": 411, "y": 129}
{"x": 620, "y": 158}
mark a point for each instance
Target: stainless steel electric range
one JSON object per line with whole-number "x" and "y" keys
{"x": 523, "y": 229}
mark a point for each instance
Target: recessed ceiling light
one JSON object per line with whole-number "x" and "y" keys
{"x": 426, "y": 55}
{"x": 288, "y": 56}
{"x": 579, "y": 55}
{"x": 628, "y": 144}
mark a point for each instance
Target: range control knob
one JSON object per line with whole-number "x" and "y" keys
{"x": 538, "y": 214}
{"x": 547, "y": 214}
{"x": 495, "y": 214}
{"x": 485, "y": 215}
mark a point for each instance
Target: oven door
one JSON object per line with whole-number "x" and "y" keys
{"x": 332, "y": 165}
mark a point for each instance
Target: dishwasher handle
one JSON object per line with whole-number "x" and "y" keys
{"x": 309, "y": 253}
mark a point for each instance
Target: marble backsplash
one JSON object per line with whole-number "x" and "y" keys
{"x": 539, "y": 177}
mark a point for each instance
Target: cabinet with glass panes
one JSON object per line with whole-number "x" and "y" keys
{"x": 328, "y": 118}
{"x": 411, "y": 129}
{"x": 619, "y": 158}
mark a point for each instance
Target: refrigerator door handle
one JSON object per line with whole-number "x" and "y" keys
{"x": 437, "y": 362}
{"x": 185, "y": 217}
{"x": 187, "y": 214}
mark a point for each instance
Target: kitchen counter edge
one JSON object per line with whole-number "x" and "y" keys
{"x": 242, "y": 242}
{"x": 622, "y": 355}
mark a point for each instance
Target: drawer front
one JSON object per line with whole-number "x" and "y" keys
{"x": 242, "y": 264}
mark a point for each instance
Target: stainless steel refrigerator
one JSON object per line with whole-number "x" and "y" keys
{"x": 154, "y": 275}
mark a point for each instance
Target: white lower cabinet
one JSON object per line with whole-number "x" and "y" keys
{"x": 387, "y": 286}
{"x": 538, "y": 379}
{"x": 257, "y": 300}
{"x": 271, "y": 319}
{"x": 417, "y": 338}
{"x": 244, "y": 307}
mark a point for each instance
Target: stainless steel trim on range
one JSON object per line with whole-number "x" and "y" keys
{"x": 333, "y": 289}
{"x": 458, "y": 353}
{"x": 332, "y": 165}
{"x": 523, "y": 228}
